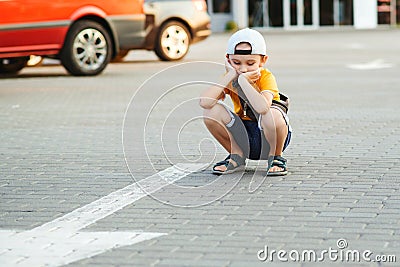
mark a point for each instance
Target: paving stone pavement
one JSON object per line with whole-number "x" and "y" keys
{"x": 62, "y": 149}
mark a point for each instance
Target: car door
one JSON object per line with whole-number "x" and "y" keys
{"x": 32, "y": 25}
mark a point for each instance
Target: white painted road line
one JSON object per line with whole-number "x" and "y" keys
{"x": 373, "y": 65}
{"x": 60, "y": 242}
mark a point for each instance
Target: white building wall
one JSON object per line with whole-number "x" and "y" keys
{"x": 218, "y": 20}
{"x": 365, "y": 14}
{"x": 240, "y": 13}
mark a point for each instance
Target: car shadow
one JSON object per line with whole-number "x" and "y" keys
{"x": 29, "y": 72}
{"x": 33, "y": 75}
{"x": 140, "y": 61}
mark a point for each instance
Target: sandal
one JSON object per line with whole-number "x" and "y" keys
{"x": 230, "y": 168}
{"x": 277, "y": 161}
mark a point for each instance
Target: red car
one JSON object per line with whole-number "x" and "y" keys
{"x": 83, "y": 34}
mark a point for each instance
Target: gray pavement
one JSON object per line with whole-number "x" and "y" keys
{"x": 62, "y": 149}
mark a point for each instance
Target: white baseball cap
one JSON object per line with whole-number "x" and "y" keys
{"x": 253, "y": 37}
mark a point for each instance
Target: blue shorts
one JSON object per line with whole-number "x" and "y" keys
{"x": 250, "y": 137}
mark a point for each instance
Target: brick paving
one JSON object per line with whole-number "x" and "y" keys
{"x": 62, "y": 149}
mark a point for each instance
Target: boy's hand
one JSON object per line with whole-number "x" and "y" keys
{"x": 231, "y": 73}
{"x": 252, "y": 76}
{"x": 228, "y": 66}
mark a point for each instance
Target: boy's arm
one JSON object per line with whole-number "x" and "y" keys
{"x": 211, "y": 95}
{"x": 261, "y": 102}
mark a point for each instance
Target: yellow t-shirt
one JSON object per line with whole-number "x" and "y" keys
{"x": 266, "y": 82}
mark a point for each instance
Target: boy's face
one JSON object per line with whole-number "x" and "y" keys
{"x": 246, "y": 63}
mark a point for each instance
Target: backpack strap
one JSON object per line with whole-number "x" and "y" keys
{"x": 282, "y": 103}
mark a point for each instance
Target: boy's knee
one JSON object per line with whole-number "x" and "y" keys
{"x": 216, "y": 114}
{"x": 208, "y": 113}
{"x": 209, "y": 117}
{"x": 273, "y": 120}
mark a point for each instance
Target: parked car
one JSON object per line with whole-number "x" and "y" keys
{"x": 86, "y": 35}
{"x": 83, "y": 34}
{"x": 175, "y": 25}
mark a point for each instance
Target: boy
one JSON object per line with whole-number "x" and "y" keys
{"x": 259, "y": 127}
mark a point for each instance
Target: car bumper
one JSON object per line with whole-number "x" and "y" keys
{"x": 129, "y": 31}
{"x": 201, "y": 32}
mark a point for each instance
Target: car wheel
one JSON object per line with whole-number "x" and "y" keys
{"x": 12, "y": 65}
{"x": 173, "y": 41}
{"x": 87, "y": 49}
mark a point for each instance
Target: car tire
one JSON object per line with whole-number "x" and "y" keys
{"x": 12, "y": 65}
{"x": 172, "y": 42}
{"x": 87, "y": 49}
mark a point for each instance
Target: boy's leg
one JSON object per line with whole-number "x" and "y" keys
{"x": 216, "y": 119}
{"x": 275, "y": 131}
